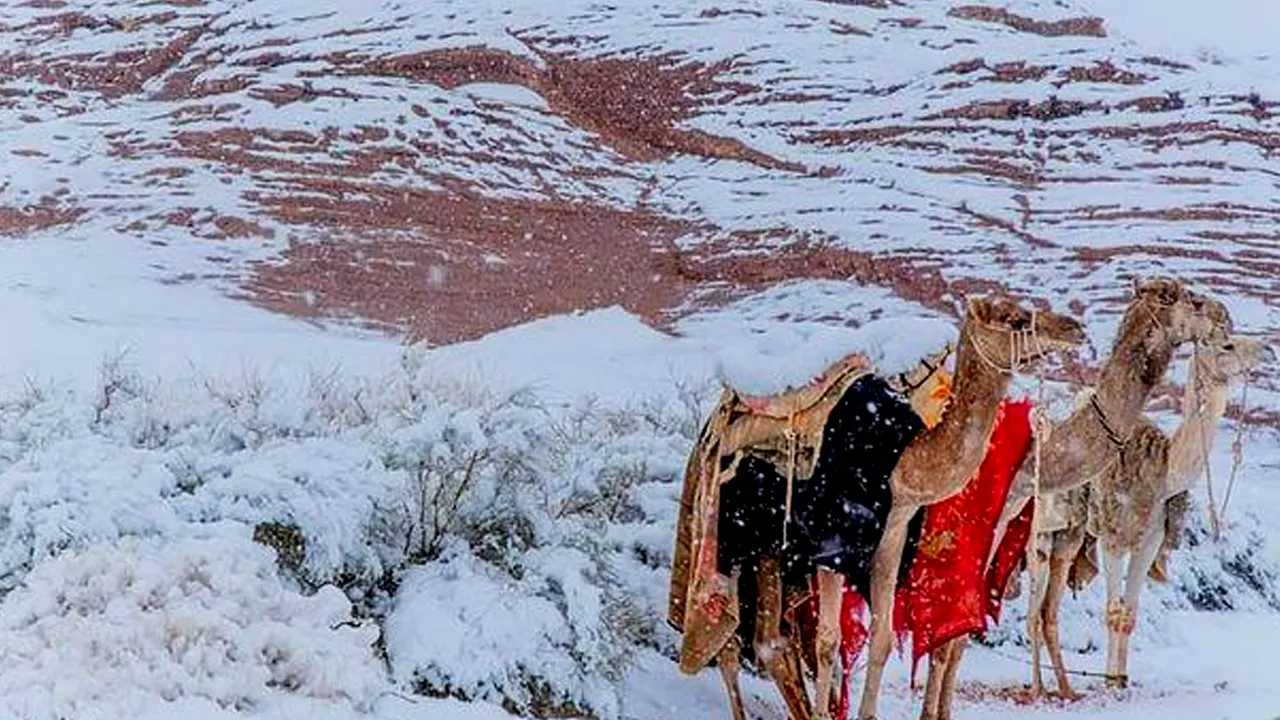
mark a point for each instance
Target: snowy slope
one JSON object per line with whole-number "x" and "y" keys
{"x": 184, "y": 181}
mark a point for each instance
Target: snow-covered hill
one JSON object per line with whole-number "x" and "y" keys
{"x": 220, "y": 220}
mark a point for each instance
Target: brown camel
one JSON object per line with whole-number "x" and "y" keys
{"x": 997, "y": 337}
{"x": 1163, "y": 315}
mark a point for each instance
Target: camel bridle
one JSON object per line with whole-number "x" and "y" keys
{"x": 1025, "y": 346}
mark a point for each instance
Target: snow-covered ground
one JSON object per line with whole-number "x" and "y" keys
{"x": 136, "y": 588}
{"x": 130, "y": 491}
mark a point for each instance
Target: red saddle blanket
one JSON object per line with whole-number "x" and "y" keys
{"x": 946, "y": 594}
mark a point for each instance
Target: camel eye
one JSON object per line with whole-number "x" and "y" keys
{"x": 1229, "y": 347}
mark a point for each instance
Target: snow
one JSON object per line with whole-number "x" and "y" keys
{"x": 1234, "y": 29}
{"x": 110, "y": 513}
{"x": 172, "y": 618}
{"x": 69, "y": 303}
{"x": 133, "y": 588}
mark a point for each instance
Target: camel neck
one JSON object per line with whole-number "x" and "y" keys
{"x": 939, "y": 461}
{"x": 1138, "y": 361}
{"x": 1084, "y": 444}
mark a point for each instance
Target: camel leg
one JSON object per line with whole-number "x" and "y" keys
{"x": 730, "y": 666}
{"x": 884, "y": 579}
{"x": 1112, "y": 569}
{"x": 771, "y": 647}
{"x": 948, "y": 693}
{"x": 830, "y": 590}
{"x": 1059, "y": 565}
{"x": 1139, "y": 563}
{"x": 933, "y": 686}
{"x": 1039, "y": 573}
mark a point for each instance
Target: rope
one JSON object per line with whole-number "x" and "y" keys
{"x": 793, "y": 436}
{"x": 1078, "y": 673}
{"x": 1215, "y": 522}
{"x": 1040, "y": 429}
{"x": 1237, "y": 446}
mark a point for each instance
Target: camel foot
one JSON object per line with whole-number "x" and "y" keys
{"x": 1067, "y": 693}
{"x": 1117, "y": 682}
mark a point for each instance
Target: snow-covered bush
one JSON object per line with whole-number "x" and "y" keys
{"x": 410, "y": 493}
{"x": 546, "y": 515}
{"x": 184, "y": 616}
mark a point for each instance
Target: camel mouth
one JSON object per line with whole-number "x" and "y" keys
{"x": 1070, "y": 337}
{"x": 1058, "y": 346}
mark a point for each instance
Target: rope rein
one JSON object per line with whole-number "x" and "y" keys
{"x": 1215, "y": 522}
{"x": 1237, "y": 446}
{"x": 794, "y": 437}
{"x": 1024, "y": 661}
{"x": 1217, "y": 514}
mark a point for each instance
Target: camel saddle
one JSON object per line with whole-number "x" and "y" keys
{"x": 786, "y": 430}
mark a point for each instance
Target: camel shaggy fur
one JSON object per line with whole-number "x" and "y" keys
{"x": 1162, "y": 315}
{"x": 1134, "y": 508}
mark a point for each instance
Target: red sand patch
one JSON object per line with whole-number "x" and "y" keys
{"x": 1021, "y": 695}
{"x": 1104, "y": 72}
{"x": 737, "y": 266}
{"x": 1083, "y": 26}
{"x": 446, "y": 267}
{"x": 16, "y": 221}
{"x": 113, "y": 75}
{"x": 633, "y": 103}
{"x": 1049, "y": 109}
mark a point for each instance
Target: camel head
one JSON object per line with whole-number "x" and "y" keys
{"x": 1184, "y": 315}
{"x": 1234, "y": 357}
{"x": 1010, "y": 336}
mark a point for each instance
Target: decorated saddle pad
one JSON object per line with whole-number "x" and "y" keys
{"x": 752, "y": 448}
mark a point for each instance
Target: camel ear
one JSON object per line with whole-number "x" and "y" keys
{"x": 1164, "y": 290}
{"x": 979, "y": 308}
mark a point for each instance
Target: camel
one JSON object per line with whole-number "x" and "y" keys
{"x": 997, "y": 337}
{"x": 1135, "y": 510}
{"x": 1214, "y": 367}
{"x": 1162, "y": 315}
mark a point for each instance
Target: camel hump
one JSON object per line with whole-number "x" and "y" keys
{"x": 794, "y": 401}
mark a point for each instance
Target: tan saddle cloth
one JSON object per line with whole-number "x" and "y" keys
{"x": 786, "y": 430}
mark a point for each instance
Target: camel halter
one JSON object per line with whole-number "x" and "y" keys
{"x": 1107, "y": 428}
{"x": 1024, "y": 346}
